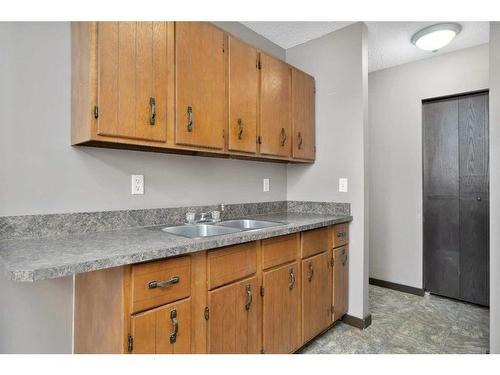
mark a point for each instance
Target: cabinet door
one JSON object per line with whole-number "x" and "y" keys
{"x": 243, "y": 94}
{"x": 200, "y": 85}
{"x": 340, "y": 281}
{"x": 233, "y": 326}
{"x": 165, "y": 330}
{"x": 132, "y": 70}
{"x": 316, "y": 295}
{"x": 275, "y": 107}
{"x": 281, "y": 309}
{"x": 303, "y": 116}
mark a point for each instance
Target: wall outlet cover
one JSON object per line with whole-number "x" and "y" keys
{"x": 343, "y": 185}
{"x": 265, "y": 185}
{"x": 137, "y": 184}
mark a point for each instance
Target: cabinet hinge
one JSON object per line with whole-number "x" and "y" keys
{"x": 130, "y": 344}
{"x": 223, "y": 134}
{"x": 206, "y": 313}
{"x": 259, "y": 65}
{"x": 262, "y": 291}
{"x": 96, "y": 111}
{"x": 259, "y": 140}
{"x": 333, "y": 309}
{"x": 332, "y": 262}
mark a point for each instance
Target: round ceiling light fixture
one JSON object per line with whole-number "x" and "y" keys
{"x": 435, "y": 37}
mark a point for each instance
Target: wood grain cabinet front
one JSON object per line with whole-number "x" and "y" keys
{"x": 200, "y": 85}
{"x": 340, "y": 281}
{"x": 132, "y": 83}
{"x": 303, "y": 116}
{"x": 235, "y": 318}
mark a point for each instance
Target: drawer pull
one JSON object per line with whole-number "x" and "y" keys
{"x": 249, "y": 297}
{"x": 292, "y": 278}
{"x": 341, "y": 234}
{"x": 175, "y": 325}
{"x": 164, "y": 284}
{"x": 310, "y": 273}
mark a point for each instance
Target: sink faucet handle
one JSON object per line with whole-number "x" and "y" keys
{"x": 222, "y": 207}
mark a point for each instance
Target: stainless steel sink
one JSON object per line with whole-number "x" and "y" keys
{"x": 199, "y": 230}
{"x": 249, "y": 224}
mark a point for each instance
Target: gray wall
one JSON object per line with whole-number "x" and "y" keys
{"x": 41, "y": 173}
{"x": 395, "y": 164}
{"x": 338, "y": 61}
{"x": 494, "y": 187}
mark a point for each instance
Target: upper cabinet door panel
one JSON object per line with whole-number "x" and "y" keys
{"x": 243, "y": 93}
{"x": 275, "y": 107}
{"x": 303, "y": 115}
{"x": 200, "y": 85}
{"x": 132, "y": 70}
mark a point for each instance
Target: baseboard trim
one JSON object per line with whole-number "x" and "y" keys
{"x": 358, "y": 322}
{"x": 398, "y": 287}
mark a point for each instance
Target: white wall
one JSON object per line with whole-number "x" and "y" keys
{"x": 338, "y": 61}
{"x": 494, "y": 187}
{"x": 41, "y": 173}
{"x": 395, "y": 163}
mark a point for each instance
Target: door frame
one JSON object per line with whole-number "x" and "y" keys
{"x": 435, "y": 99}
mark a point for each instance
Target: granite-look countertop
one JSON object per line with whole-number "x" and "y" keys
{"x": 33, "y": 259}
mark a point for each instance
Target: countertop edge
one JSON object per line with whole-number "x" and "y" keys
{"x": 64, "y": 270}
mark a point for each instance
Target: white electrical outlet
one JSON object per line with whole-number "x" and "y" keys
{"x": 137, "y": 184}
{"x": 266, "y": 185}
{"x": 343, "y": 185}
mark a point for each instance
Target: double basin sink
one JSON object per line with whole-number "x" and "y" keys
{"x": 219, "y": 228}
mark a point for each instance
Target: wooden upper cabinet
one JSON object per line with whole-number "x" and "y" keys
{"x": 243, "y": 95}
{"x": 235, "y": 313}
{"x": 132, "y": 67}
{"x": 281, "y": 318}
{"x": 200, "y": 85}
{"x": 303, "y": 115}
{"x": 275, "y": 125}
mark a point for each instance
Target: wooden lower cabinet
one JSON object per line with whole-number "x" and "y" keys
{"x": 340, "y": 281}
{"x": 259, "y": 296}
{"x": 281, "y": 309}
{"x": 164, "y": 330}
{"x": 234, "y": 322}
{"x": 316, "y": 295}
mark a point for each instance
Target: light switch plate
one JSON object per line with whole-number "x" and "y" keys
{"x": 343, "y": 185}
{"x": 137, "y": 184}
{"x": 266, "y": 185}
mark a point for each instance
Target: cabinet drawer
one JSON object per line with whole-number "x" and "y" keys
{"x": 157, "y": 283}
{"x": 279, "y": 250}
{"x": 231, "y": 263}
{"x": 340, "y": 234}
{"x": 313, "y": 242}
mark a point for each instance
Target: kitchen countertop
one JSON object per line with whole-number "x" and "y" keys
{"x": 34, "y": 259}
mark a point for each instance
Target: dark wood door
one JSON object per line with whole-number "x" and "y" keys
{"x": 281, "y": 309}
{"x": 455, "y": 197}
{"x": 234, "y": 324}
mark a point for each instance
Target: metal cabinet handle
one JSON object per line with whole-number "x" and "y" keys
{"x": 152, "y": 111}
{"x": 164, "y": 284}
{"x": 299, "y": 145}
{"x": 310, "y": 273}
{"x": 344, "y": 259}
{"x": 240, "y": 131}
{"x": 283, "y": 136}
{"x": 292, "y": 279}
{"x": 478, "y": 199}
{"x": 190, "y": 119}
{"x": 248, "y": 288}
{"x": 341, "y": 234}
{"x": 175, "y": 325}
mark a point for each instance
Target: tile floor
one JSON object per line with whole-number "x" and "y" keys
{"x": 405, "y": 323}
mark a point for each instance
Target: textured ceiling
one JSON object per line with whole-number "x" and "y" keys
{"x": 388, "y": 42}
